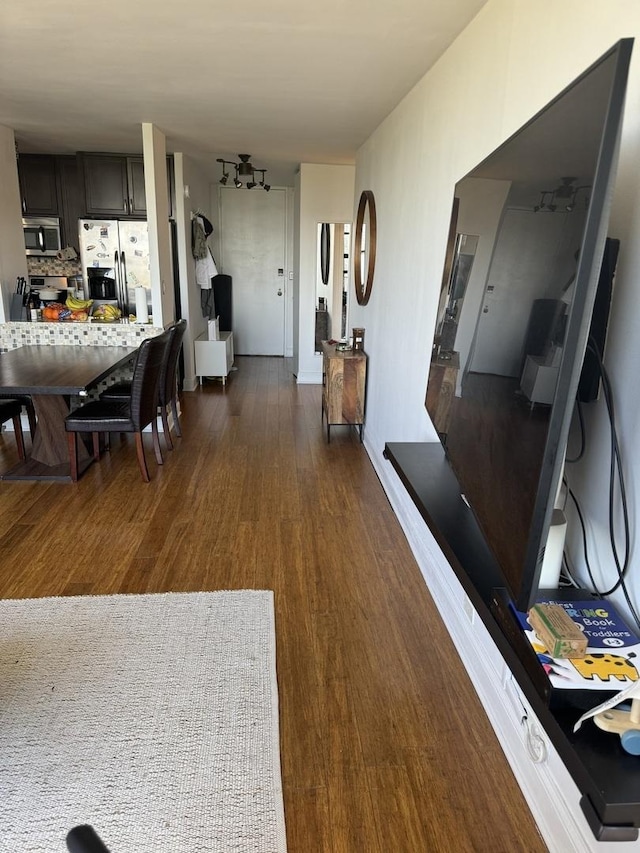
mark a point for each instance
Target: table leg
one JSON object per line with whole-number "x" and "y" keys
{"x": 49, "y": 457}
{"x": 50, "y": 440}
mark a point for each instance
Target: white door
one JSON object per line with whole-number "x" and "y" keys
{"x": 252, "y": 242}
{"x": 515, "y": 282}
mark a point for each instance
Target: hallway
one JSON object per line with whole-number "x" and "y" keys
{"x": 384, "y": 745}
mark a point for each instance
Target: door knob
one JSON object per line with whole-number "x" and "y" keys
{"x": 280, "y": 291}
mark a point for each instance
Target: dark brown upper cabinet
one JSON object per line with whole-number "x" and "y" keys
{"x": 38, "y": 185}
{"x": 114, "y": 185}
{"x": 70, "y": 198}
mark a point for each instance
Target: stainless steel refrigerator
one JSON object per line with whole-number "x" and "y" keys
{"x": 115, "y": 260}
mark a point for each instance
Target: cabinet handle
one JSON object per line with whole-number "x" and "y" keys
{"x": 124, "y": 205}
{"x": 24, "y": 205}
{"x": 130, "y": 205}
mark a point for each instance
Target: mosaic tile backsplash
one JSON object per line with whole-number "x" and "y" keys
{"x": 14, "y": 335}
{"x": 52, "y": 266}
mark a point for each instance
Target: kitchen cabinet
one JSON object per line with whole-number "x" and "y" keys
{"x": 114, "y": 185}
{"x": 70, "y": 199}
{"x": 137, "y": 191}
{"x": 344, "y": 379}
{"x": 38, "y": 184}
{"x": 214, "y": 358}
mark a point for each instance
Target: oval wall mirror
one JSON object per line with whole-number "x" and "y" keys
{"x": 332, "y": 281}
{"x": 325, "y": 251}
{"x": 364, "y": 249}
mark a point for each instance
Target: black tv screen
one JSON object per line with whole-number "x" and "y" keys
{"x": 515, "y": 310}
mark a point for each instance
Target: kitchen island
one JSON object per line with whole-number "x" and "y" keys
{"x": 122, "y": 334}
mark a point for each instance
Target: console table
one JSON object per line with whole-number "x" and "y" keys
{"x": 608, "y": 778}
{"x": 344, "y": 376}
{"x": 441, "y": 390}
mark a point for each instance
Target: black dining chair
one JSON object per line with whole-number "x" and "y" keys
{"x": 10, "y": 410}
{"x": 132, "y": 415}
{"x": 167, "y": 386}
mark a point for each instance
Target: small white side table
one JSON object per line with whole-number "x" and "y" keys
{"x": 214, "y": 358}
{"x": 539, "y": 380}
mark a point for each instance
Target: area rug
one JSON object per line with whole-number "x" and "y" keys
{"x": 153, "y": 718}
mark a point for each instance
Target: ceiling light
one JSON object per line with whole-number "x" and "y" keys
{"x": 564, "y": 191}
{"x": 245, "y": 170}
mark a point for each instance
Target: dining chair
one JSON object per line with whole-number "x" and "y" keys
{"x": 132, "y": 415}
{"x": 167, "y": 386}
{"x": 11, "y": 409}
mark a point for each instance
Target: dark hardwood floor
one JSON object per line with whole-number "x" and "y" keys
{"x": 385, "y": 747}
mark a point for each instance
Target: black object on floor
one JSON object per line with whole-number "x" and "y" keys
{"x": 84, "y": 839}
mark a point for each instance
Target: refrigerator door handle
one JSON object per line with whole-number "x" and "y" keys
{"x": 125, "y": 284}
{"x": 116, "y": 267}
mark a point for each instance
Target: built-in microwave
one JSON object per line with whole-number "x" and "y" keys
{"x": 41, "y": 235}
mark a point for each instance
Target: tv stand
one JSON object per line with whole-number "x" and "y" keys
{"x": 609, "y": 781}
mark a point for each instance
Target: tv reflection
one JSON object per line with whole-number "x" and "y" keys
{"x": 502, "y": 319}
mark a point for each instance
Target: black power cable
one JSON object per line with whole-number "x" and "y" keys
{"x": 622, "y": 567}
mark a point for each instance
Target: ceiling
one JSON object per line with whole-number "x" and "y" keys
{"x": 286, "y": 81}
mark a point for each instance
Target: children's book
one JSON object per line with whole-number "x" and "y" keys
{"x": 612, "y": 661}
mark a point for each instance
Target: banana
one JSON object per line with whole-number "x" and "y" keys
{"x": 107, "y": 312}
{"x": 78, "y": 304}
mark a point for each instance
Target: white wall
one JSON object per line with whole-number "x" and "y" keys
{"x": 488, "y": 84}
{"x": 155, "y": 184}
{"x": 509, "y": 62}
{"x": 13, "y": 261}
{"x": 189, "y": 178}
{"x": 325, "y": 195}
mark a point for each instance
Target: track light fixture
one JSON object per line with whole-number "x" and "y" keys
{"x": 245, "y": 173}
{"x": 265, "y": 187}
{"x": 565, "y": 192}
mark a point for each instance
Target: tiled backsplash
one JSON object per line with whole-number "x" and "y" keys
{"x": 52, "y": 266}
{"x": 14, "y": 335}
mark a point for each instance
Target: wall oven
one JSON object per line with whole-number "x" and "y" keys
{"x": 41, "y": 235}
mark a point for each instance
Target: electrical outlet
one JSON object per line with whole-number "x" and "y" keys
{"x": 469, "y": 609}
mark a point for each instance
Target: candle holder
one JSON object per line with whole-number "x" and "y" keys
{"x": 358, "y": 340}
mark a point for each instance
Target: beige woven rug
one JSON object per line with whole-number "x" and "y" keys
{"x": 153, "y": 718}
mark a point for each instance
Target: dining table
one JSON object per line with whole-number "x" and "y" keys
{"x": 52, "y": 375}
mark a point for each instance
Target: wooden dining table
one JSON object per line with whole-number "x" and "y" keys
{"x": 51, "y": 375}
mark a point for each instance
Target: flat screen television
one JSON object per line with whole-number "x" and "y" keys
{"x": 529, "y": 229}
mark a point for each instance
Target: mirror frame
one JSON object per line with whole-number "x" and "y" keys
{"x": 325, "y": 251}
{"x": 363, "y": 288}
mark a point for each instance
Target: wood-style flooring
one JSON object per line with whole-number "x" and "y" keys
{"x": 384, "y": 745}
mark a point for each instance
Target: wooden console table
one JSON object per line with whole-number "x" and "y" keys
{"x": 344, "y": 379}
{"x": 441, "y": 390}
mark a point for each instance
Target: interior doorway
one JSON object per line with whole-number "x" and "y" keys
{"x": 253, "y": 252}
